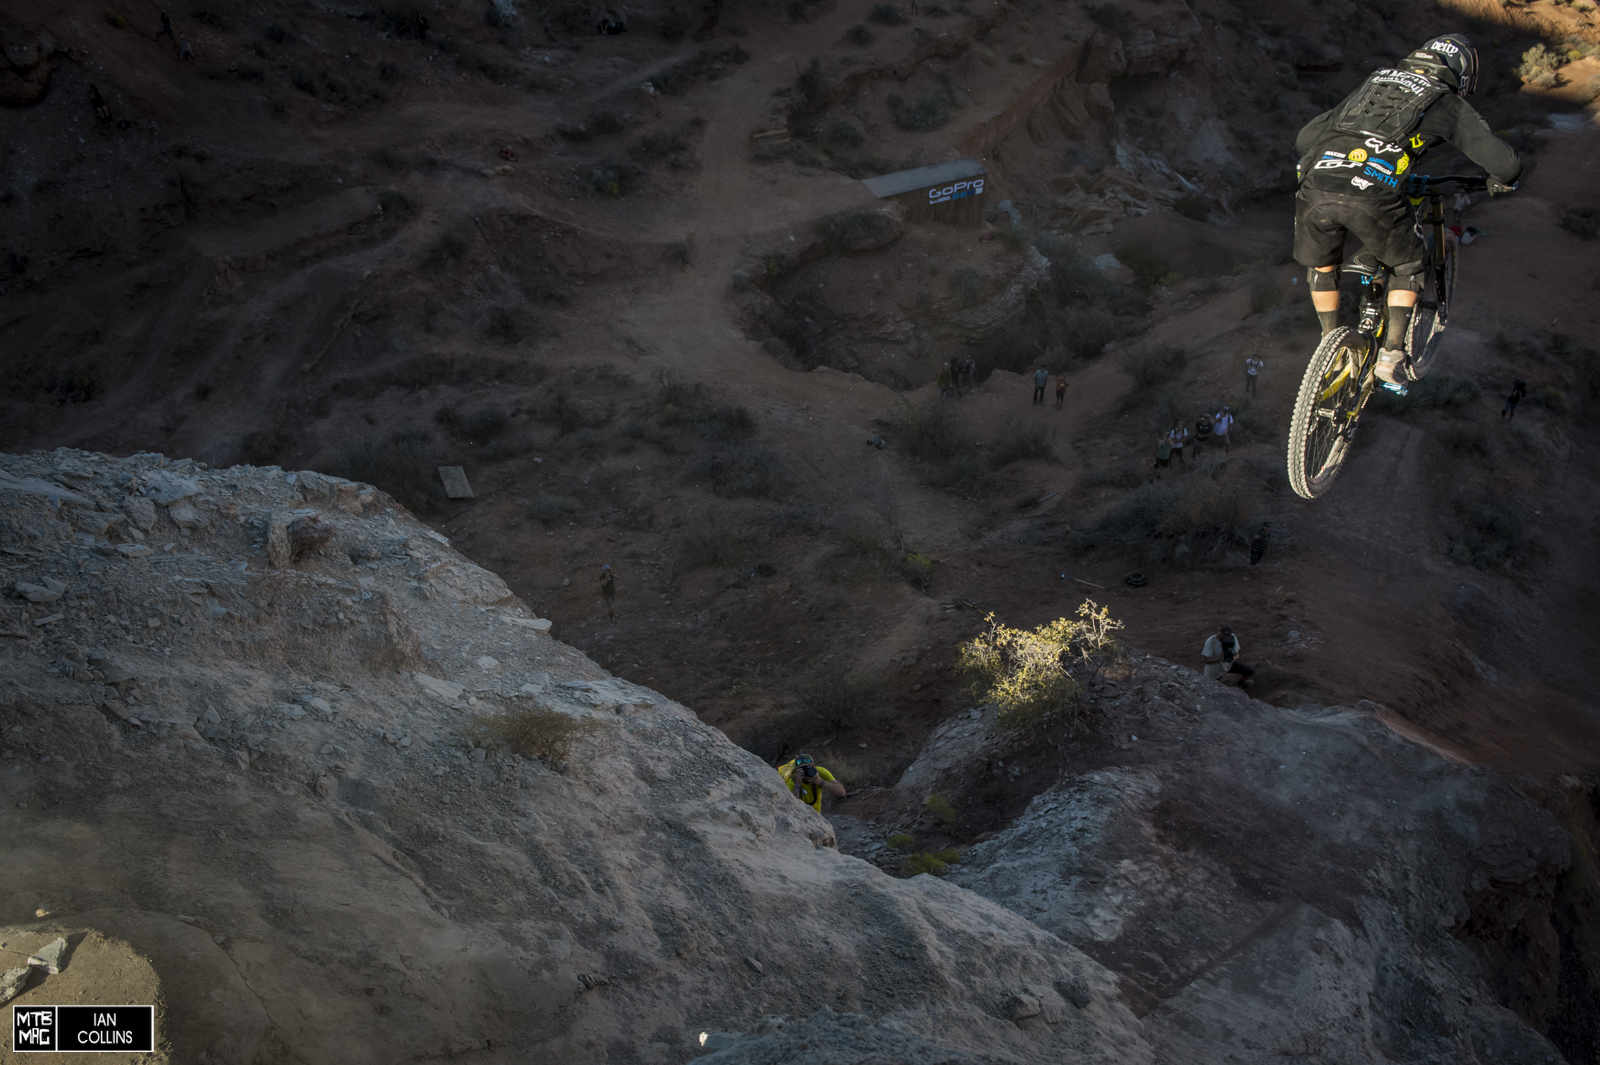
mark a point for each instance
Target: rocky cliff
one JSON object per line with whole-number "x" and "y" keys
{"x": 280, "y": 760}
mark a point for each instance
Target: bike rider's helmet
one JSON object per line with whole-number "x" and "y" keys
{"x": 1449, "y": 59}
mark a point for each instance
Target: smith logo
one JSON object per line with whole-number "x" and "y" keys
{"x": 959, "y": 191}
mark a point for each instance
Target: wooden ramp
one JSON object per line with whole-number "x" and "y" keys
{"x": 455, "y": 482}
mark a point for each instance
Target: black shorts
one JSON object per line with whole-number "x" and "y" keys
{"x": 1385, "y": 226}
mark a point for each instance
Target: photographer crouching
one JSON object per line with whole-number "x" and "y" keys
{"x": 807, "y": 781}
{"x": 1221, "y": 653}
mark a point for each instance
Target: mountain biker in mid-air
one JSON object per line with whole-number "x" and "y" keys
{"x": 1353, "y": 162}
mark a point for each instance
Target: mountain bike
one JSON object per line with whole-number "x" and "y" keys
{"x": 1339, "y": 379}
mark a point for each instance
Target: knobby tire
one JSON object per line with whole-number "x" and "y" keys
{"x": 1433, "y": 308}
{"x": 1325, "y": 413}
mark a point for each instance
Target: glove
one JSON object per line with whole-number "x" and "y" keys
{"x": 1500, "y": 188}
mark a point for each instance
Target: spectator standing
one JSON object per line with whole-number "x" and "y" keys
{"x": 608, "y": 591}
{"x": 185, "y": 50}
{"x": 1221, "y": 426}
{"x": 947, "y": 381}
{"x": 1252, "y": 370}
{"x": 1459, "y": 208}
{"x": 1179, "y": 437}
{"x": 807, "y": 781}
{"x": 1041, "y": 377}
{"x": 1260, "y": 542}
{"x": 1519, "y": 392}
{"x": 102, "y": 111}
{"x": 1061, "y": 390}
{"x": 1221, "y": 653}
{"x": 166, "y": 29}
{"x": 969, "y": 373}
{"x": 1202, "y": 433}
{"x": 1163, "y": 457}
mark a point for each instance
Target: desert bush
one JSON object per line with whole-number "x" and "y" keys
{"x": 725, "y": 424}
{"x": 858, "y": 35}
{"x": 549, "y": 508}
{"x": 741, "y": 469}
{"x": 1035, "y": 676}
{"x": 940, "y": 809}
{"x": 564, "y": 413}
{"x": 966, "y": 282}
{"x": 1465, "y": 437}
{"x": 1192, "y": 205}
{"x": 478, "y": 427}
{"x": 501, "y": 324}
{"x": 1085, "y": 332}
{"x": 1581, "y": 222}
{"x": 395, "y": 203}
{"x": 856, "y": 229}
{"x": 1204, "y": 517}
{"x": 1151, "y": 367}
{"x": 636, "y": 429}
{"x": 398, "y": 465}
{"x": 451, "y": 247}
{"x": 707, "y": 541}
{"x": 1538, "y": 67}
{"x": 1253, "y": 424}
{"x": 927, "y": 112}
{"x": 1267, "y": 290}
{"x": 1435, "y": 390}
{"x": 933, "y": 863}
{"x": 927, "y": 430}
{"x": 843, "y": 134}
{"x": 1021, "y": 444}
{"x": 1554, "y": 399}
{"x": 676, "y": 253}
{"x": 1491, "y": 535}
{"x": 902, "y": 841}
{"x": 1018, "y": 238}
{"x": 1149, "y": 266}
{"x": 886, "y": 15}
{"x": 261, "y": 447}
{"x": 836, "y": 701}
{"x": 674, "y": 24}
{"x": 615, "y": 179}
{"x": 533, "y": 732}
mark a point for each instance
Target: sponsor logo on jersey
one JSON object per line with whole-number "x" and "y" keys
{"x": 1360, "y": 183}
{"x": 1415, "y": 84}
{"x": 1384, "y": 147}
{"x": 1378, "y": 175}
{"x": 1358, "y": 156}
{"x": 1416, "y": 141}
{"x": 1400, "y": 167}
{"x": 1335, "y": 164}
{"x": 1443, "y": 47}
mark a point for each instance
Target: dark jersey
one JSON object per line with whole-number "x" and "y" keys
{"x": 1335, "y": 159}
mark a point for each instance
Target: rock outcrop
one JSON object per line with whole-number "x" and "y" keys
{"x": 273, "y": 776}
{"x": 269, "y": 783}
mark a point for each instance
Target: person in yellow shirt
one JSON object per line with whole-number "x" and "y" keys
{"x": 807, "y": 781}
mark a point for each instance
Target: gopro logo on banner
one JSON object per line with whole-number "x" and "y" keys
{"x": 959, "y": 191}
{"x": 84, "y": 1029}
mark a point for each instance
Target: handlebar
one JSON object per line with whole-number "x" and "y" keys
{"x": 1422, "y": 184}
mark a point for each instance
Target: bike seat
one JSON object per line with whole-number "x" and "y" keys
{"x": 1363, "y": 264}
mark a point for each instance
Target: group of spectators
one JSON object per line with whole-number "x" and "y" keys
{"x": 957, "y": 376}
{"x": 1179, "y": 439}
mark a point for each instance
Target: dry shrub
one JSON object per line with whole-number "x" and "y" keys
{"x": 933, "y": 862}
{"x": 1204, "y": 517}
{"x": 1034, "y": 677}
{"x": 708, "y": 541}
{"x": 533, "y": 732}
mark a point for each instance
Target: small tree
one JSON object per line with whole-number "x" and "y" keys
{"x": 1035, "y": 676}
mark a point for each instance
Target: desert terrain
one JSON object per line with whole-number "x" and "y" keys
{"x": 633, "y": 285}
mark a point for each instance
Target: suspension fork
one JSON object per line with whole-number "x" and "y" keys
{"x": 1436, "y": 210}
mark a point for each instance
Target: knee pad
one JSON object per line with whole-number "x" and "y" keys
{"x": 1322, "y": 280}
{"x": 1408, "y": 276}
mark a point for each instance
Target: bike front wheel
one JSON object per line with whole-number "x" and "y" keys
{"x": 1433, "y": 306}
{"x": 1325, "y": 412}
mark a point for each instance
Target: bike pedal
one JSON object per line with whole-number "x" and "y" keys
{"x": 1397, "y": 389}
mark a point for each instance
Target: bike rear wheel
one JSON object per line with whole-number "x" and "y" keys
{"x": 1325, "y": 412}
{"x": 1433, "y": 306}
